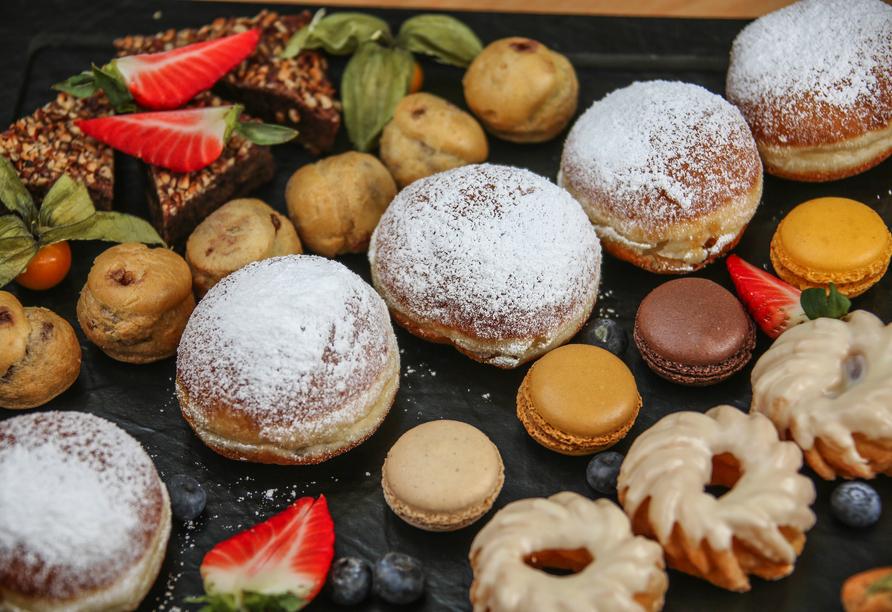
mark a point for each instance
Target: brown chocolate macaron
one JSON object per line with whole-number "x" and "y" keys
{"x": 694, "y": 332}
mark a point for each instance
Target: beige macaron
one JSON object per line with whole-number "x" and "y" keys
{"x": 442, "y": 475}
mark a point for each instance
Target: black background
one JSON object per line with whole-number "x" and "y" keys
{"x": 45, "y": 42}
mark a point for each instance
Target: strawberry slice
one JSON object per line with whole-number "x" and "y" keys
{"x": 166, "y": 80}
{"x": 278, "y": 564}
{"x": 774, "y": 304}
{"x": 181, "y": 140}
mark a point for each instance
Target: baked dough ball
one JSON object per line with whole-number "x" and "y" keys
{"x": 496, "y": 261}
{"x": 336, "y": 203}
{"x": 86, "y": 519}
{"x": 428, "y": 135}
{"x": 668, "y": 173}
{"x": 289, "y": 360}
{"x": 40, "y": 356}
{"x": 237, "y": 233}
{"x": 136, "y": 302}
{"x": 521, "y": 90}
{"x": 814, "y": 82}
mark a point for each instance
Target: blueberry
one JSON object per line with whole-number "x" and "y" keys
{"x": 398, "y": 578}
{"x": 606, "y": 334}
{"x": 856, "y": 504}
{"x": 349, "y": 580}
{"x": 187, "y": 498}
{"x": 603, "y": 470}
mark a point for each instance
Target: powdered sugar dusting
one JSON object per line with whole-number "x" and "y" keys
{"x": 74, "y": 500}
{"x": 290, "y": 342}
{"x": 493, "y": 251}
{"x": 804, "y": 69}
{"x": 660, "y": 152}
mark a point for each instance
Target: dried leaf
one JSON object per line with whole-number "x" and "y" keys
{"x": 17, "y": 247}
{"x": 66, "y": 203}
{"x": 446, "y": 38}
{"x": 109, "y": 226}
{"x": 13, "y": 193}
{"x": 339, "y": 34}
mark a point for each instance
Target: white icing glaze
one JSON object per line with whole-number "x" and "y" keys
{"x": 800, "y": 383}
{"x": 623, "y": 566}
{"x": 671, "y": 464}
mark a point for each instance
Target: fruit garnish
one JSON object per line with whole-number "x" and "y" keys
{"x": 47, "y": 268}
{"x": 603, "y": 470}
{"x": 773, "y": 304}
{"x": 382, "y": 70}
{"x": 606, "y": 334}
{"x": 856, "y": 504}
{"x": 166, "y": 80}
{"x": 181, "y": 140}
{"x": 349, "y": 581}
{"x": 278, "y": 565}
{"x": 398, "y": 578}
{"x": 187, "y": 498}
{"x": 67, "y": 213}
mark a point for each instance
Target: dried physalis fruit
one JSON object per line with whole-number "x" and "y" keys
{"x": 869, "y": 591}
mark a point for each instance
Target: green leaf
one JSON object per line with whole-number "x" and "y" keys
{"x": 66, "y": 203}
{"x": 820, "y": 302}
{"x": 13, "y": 193}
{"x": 109, "y": 226}
{"x": 339, "y": 34}
{"x": 264, "y": 133}
{"x": 374, "y": 80}
{"x": 881, "y": 585}
{"x": 446, "y": 38}
{"x": 81, "y": 85}
{"x": 215, "y": 603}
{"x": 249, "y": 602}
{"x": 17, "y": 248}
{"x": 110, "y": 81}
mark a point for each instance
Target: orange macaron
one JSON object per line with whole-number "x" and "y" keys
{"x": 832, "y": 240}
{"x": 578, "y": 399}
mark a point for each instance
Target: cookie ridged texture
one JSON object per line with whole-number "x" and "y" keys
{"x": 658, "y": 153}
{"x": 81, "y": 502}
{"x": 289, "y": 345}
{"x": 498, "y": 253}
{"x": 815, "y": 72}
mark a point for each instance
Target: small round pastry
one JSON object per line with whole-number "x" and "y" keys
{"x": 496, "y": 261}
{"x": 692, "y": 331}
{"x": 758, "y": 527}
{"x": 578, "y": 400}
{"x": 86, "y": 518}
{"x": 668, "y": 173}
{"x": 136, "y": 302}
{"x": 814, "y": 82}
{"x": 832, "y": 240}
{"x": 442, "y": 475}
{"x": 40, "y": 356}
{"x": 289, "y": 360}
{"x": 521, "y": 90}
{"x": 428, "y": 135}
{"x": 827, "y": 385}
{"x": 336, "y": 203}
{"x": 234, "y": 235}
{"x": 612, "y": 569}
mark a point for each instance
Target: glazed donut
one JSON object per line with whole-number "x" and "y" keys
{"x": 757, "y": 527}
{"x": 496, "y": 261}
{"x": 136, "y": 302}
{"x": 814, "y": 82}
{"x": 827, "y": 385}
{"x": 614, "y": 569}
{"x": 40, "y": 356}
{"x": 86, "y": 518}
{"x": 668, "y": 173}
{"x": 289, "y": 360}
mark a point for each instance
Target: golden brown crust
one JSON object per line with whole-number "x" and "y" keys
{"x": 51, "y": 363}
{"x": 14, "y": 331}
{"x": 857, "y": 596}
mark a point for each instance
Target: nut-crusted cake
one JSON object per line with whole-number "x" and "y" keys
{"x": 46, "y": 144}
{"x": 293, "y": 92}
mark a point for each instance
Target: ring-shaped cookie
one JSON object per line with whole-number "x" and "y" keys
{"x": 826, "y": 385}
{"x": 756, "y": 527}
{"x": 615, "y": 570}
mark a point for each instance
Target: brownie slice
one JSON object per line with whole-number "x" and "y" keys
{"x": 294, "y": 92}
{"x": 47, "y": 144}
{"x": 179, "y": 201}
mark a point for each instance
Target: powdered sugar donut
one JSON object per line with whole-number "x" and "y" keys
{"x": 289, "y": 360}
{"x": 86, "y": 518}
{"x": 814, "y": 81}
{"x": 496, "y": 261}
{"x": 668, "y": 173}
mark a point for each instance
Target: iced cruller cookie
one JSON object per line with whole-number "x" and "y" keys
{"x": 832, "y": 240}
{"x": 442, "y": 475}
{"x": 578, "y": 400}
